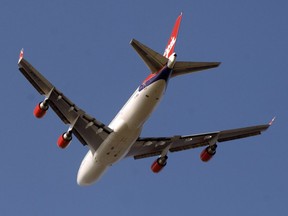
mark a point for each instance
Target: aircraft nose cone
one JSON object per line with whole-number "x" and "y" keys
{"x": 90, "y": 176}
{"x": 82, "y": 181}
{"x": 90, "y": 171}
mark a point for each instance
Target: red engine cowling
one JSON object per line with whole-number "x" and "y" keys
{"x": 40, "y": 110}
{"x": 208, "y": 153}
{"x": 64, "y": 140}
{"x": 159, "y": 164}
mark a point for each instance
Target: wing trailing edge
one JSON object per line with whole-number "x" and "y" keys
{"x": 153, "y": 146}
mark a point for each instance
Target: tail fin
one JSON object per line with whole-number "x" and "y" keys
{"x": 152, "y": 59}
{"x": 173, "y": 38}
{"x": 156, "y": 61}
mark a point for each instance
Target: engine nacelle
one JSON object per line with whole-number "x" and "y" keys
{"x": 159, "y": 164}
{"x": 208, "y": 153}
{"x": 40, "y": 109}
{"x": 64, "y": 140}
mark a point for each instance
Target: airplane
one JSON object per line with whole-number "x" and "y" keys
{"x": 120, "y": 139}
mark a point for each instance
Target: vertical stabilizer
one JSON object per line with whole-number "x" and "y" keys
{"x": 155, "y": 61}
{"x": 172, "y": 40}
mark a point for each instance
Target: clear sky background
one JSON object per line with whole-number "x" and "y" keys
{"x": 83, "y": 48}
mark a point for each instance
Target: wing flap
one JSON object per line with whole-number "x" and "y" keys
{"x": 63, "y": 107}
{"x": 90, "y": 132}
{"x": 228, "y": 135}
{"x": 87, "y": 129}
{"x": 152, "y": 146}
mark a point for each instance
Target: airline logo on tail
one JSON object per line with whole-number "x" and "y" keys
{"x": 172, "y": 41}
{"x": 170, "y": 45}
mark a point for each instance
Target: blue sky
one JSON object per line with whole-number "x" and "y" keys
{"x": 83, "y": 48}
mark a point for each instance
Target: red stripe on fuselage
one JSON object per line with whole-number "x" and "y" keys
{"x": 149, "y": 77}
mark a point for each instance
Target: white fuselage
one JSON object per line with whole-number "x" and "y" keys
{"x": 126, "y": 126}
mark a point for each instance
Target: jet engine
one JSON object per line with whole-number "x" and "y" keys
{"x": 40, "y": 109}
{"x": 208, "y": 153}
{"x": 64, "y": 140}
{"x": 159, "y": 164}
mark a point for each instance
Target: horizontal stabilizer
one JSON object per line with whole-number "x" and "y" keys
{"x": 156, "y": 61}
{"x": 181, "y": 68}
{"x": 152, "y": 59}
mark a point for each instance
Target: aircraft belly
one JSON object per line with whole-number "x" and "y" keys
{"x": 128, "y": 123}
{"x": 126, "y": 127}
{"x": 116, "y": 146}
{"x": 142, "y": 104}
{"x": 113, "y": 149}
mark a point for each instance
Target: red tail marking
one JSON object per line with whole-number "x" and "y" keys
{"x": 172, "y": 40}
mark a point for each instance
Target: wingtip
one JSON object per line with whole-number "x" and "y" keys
{"x": 21, "y": 55}
{"x": 272, "y": 121}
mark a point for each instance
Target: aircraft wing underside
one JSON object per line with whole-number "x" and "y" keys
{"x": 87, "y": 129}
{"x": 152, "y": 146}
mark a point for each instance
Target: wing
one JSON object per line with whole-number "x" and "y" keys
{"x": 152, "y": 146}
{"x": 87, "y": 129}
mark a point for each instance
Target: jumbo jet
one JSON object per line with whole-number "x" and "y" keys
{"x": 120, "y": 139}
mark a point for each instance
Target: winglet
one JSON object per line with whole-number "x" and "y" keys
{"x": 172, "y": 40}
{"x": 271, "y": 122}
{"x": 21, "y": 55}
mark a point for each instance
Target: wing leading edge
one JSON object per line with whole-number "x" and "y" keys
{"x": 87, "y": 129}
{"x": 153, "y": 146}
